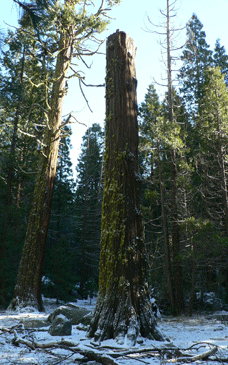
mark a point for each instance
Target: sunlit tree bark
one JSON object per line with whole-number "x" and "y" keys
{"x": 123, "y": 305}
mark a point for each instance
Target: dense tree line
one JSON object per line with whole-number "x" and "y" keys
{"x": 196, "y": 144}
{"x": 183, "y": 162}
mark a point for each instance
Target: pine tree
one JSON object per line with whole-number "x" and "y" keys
{"x": 155, "y": 166}
{"x": 88, "y": 208}
{"x": 160, "y": 138}
{"x": 220, "y": 59}
{"x": 213, "y": 131}
{"x": 18, "y": 156}
{"x": 60, "y": 244}
{"x": 196, "y": 57}
{"x": 207, "y": 226}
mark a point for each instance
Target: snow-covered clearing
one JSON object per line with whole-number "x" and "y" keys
{"x": 189, "y": 337}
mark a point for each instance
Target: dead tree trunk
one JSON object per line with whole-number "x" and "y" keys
{"x": 123, "y": 305}
{"x": 175, "y": 230}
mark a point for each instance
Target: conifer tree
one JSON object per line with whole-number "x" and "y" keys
{"x": 18, "y": 156}
{"x": 207, "y": 227}
{"x": 153, "y": 152}
{"x": 60, "y": 254}
{"x": 168, "y": 47}
{"x": 158, "y": 138}
{"x": 220, "y": 59}
{"x": 88, "y": 208}
{"x": 196, "y": 57}
{"x": 213, "y": 131}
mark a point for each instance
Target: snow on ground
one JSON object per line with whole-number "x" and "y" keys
{"x": 191, "y": 335}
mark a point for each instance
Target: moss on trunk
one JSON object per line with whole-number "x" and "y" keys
{"x": 123, "y": 305}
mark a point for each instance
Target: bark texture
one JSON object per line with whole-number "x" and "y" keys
{"x": 123, "y": 305}
{"x": 28, "y": 286}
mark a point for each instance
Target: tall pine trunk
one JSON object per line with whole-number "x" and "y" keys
{"x": 175, "y": 230}
{"x": 175, "y": 234}
{"x": 84, "y": 263}
{"x": 123, "y": 305}
{"x": 168, "y": 266}
{"x": 28, "y": 286}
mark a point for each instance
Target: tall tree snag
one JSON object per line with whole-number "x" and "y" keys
{"x": 123, "y": 305}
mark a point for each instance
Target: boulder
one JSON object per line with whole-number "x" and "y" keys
{"x": 221, "y": 317}
{"x": 61, "y": 326}
{"x": 87, "y": 319}
{"x": 74, "y": 313}
{"x": 35, "y": 323}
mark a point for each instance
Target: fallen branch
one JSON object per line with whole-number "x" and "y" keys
{"x": 205, "y": 354}
{"x": 37, "y": 345}
{"x": 68, "y": 345}
{"x": 103, "y": 359}
{"x": 202, "y": 356}
{"x": 18, "y": 327}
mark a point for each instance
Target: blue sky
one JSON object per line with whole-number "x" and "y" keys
{"x": 131, "y": 16}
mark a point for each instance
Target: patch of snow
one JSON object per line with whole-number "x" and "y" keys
{"x": 61, "y": 316}
{"x": 182, "y": 331}
{"x": 47, "y": 281}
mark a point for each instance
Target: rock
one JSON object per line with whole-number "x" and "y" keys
{"x": 35, "y": 323}
{"x": 61, "y": 326}
{"x": 221, "y": 317}
{"x": 74, "y": 313}
{"x": 87, "y": 319}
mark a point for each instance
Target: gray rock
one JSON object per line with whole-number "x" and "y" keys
{"x": 35, "y": 323}
{"x": 74, "y": 313}
{"x": 223, "y": 318}
{"x": 87, "y": 319}
{"x": 61, "y": 326}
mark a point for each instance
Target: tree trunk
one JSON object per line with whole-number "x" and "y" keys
{"x": 84, "y": 264}
{"x": 28, "y": 286}
{"x": 168, "y": 266}
{"x": 123, "y": 305}
{"x": 175, "y": 233}
{"x": 177, "y": 274}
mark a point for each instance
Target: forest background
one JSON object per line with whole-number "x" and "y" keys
{"x": 132, "y": 19}
{"x": 200, "y": 192}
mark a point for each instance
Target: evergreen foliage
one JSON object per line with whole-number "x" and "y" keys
{"x": 220, "y": 59}
{"x": 196, "y": 57}
{"x": 88, "y": 209}
{"x": 60, "y": 256}
{"x": 18, "y": 153}
{"x": 199, "y": 139}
